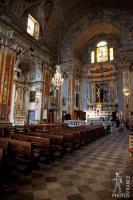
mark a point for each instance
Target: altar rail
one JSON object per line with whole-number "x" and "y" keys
{"x": 73, "y": 123}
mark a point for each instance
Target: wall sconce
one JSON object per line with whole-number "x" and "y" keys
{"x": 126, "y": 92}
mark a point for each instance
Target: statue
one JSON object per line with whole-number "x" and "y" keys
{"x": 17, "y": 98}
{"x": 98, "y": 93}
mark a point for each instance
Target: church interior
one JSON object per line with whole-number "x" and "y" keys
{"x": 66, "y": 99}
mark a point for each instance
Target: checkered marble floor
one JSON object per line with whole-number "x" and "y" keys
{"x": 85, "y": 174}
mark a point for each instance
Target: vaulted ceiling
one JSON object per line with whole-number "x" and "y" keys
{"x": 67, "y": 14}
{"x": 70, "y": 12}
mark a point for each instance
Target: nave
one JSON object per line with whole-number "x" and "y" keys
{"x": 85, "y": 174}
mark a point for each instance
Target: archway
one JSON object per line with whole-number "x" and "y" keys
{"x": 27, "y": 91}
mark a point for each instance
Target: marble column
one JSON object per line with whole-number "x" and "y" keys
{"x": 38, "y": 105}
{"x": 84, "y": 95}
{"x": 119, "y": 85}
{"x": 71, "y": 94}
{"x": 126, "y": 92}
{"x": 59, "y": 97}
{"x": 93, "y": 93}
{"x": 11, "y": 118}
{"x": 24, "y": 96}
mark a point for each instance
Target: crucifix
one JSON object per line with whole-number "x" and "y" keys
{"x": 98, "y": 93}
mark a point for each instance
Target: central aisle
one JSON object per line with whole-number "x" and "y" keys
{"x": 85, "y": 174}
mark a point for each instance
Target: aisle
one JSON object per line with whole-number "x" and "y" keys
{"x": 84, "y": 175}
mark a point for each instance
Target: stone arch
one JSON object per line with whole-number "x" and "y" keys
{"x": 36, "y": 65}
{"x": 72, "y": 44}
{"x": 95, "y": 24}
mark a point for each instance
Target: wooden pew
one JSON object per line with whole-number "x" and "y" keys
{"x": 6, "y": 130}
{"x": 12, "y": 145}
{"x": 130, "y": 125}
{"x": 41, "y": 145}
{"x": 80, "y": 135}
{"x": 4, "y": 141}
{"x": 68, "y": 139}
{"x": 3, "y": 166}
{"x": 21, "y": 147}
{"x": 41, "y": 127}
{"x": 56, "y": 142}
{"x": 84, "y": 134}
{"x": 71, "y": 140}
{"x": 3, "y": 155}
{"x": 27, "y": 149}
{"x": 73, "y": 137}
{"x": 20, "y": 129}
{"x": 130, "y": 149}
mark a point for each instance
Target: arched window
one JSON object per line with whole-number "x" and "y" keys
{"x": 102, "y": 53}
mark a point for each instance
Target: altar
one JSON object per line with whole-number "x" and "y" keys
{"x": 98, "y": 115}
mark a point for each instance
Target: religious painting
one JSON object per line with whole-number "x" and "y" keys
{"x": 32, "y": 96}
{"x": 102, "y": 54}
{"x": 18, "y": 97}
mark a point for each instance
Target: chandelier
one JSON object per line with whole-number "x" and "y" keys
{"x": 57, "y": 80}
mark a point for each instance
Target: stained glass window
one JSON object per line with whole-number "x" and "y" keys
{"x": 92, "y": 57}
{"x": 102, "y": 51}
{"x": 111, "y": 53}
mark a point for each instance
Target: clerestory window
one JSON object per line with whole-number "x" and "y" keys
{"x": 33, "y": 27}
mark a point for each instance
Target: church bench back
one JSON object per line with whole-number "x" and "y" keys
{"x": 130, "y": 143}
{"x": 54, "y": 139}
{"x": 38, "y": 141}
{"x": 21, "y": 147}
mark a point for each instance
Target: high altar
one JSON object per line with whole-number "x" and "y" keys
{"x": 102, "y": 87}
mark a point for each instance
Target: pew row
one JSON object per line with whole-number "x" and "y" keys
{"x": 53, "y": 143}
{"x": 130, "y": 149}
